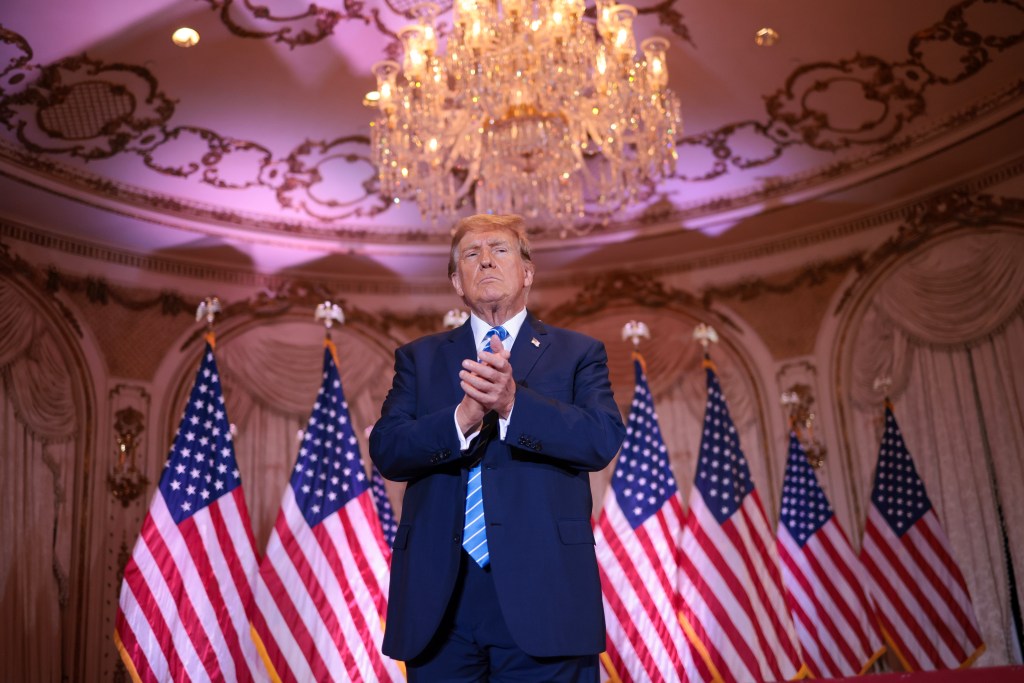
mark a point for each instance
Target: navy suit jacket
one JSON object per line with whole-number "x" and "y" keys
{"x": 536, "y": 486}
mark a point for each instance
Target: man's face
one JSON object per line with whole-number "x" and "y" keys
{"x": 490, "y": 271}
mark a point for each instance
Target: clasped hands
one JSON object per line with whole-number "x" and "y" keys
{"x": 488, "y": 384}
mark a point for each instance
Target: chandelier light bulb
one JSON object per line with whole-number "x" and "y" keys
{"x": 525, "y": 112}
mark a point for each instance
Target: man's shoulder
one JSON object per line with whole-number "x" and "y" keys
{"x": 431, "y": 340}
{"x": 563, "y": 333}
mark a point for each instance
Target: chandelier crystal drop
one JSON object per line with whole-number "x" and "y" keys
{"x": 533, "y": 110}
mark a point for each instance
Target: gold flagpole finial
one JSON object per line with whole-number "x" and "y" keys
{"x": 208, "y": 308}
{"x": 706, "y": 335}
{"x": 635, "y": 331}
{"x": 454, "y": 318}
{"x": 882, "y": 385}
{"x": 329, "y": 313}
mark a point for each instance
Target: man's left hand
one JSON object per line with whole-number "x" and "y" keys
{"x": 489, "y": 380}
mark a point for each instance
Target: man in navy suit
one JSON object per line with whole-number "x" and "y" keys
{"x": 495, "y": 427}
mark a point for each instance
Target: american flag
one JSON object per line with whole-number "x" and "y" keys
{"x": 824, "y": 580}
{"x": 733, "y": 605}
{"x": 321, "y": 591}
{"x": 388, "y": 523}
{"x": 182, "y": 614}
{"x": 637, "y": 537}
{"x": 919, "y": 592}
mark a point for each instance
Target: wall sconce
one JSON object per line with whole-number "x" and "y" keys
{"x": 124, "y": 480}
{"x": 798, "y": 402}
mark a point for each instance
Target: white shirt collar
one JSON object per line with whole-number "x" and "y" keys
{"x": 512, "y": 326}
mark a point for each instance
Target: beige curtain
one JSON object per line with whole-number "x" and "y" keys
{"x": 271, "y": 375}
{"x": 947, "y": 326}
{"x": 678, "y": 386}
{"x": 38, "y": 428}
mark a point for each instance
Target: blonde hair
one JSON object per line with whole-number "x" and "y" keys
{"x": 511, "y": 224}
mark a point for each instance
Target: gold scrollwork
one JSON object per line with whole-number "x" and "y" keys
{"x": 798, "y": 402}
{"x": 124, "y": 481}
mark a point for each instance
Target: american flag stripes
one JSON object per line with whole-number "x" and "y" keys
{"x": 732, "y": 601}
{"x": 823, "y": 577}
{"x": 921, "y": 598}
{"x": 321, "y": 592}
{"x": 182, "y": 614}
{"x": 388, "y": 523}
{"x": 637, "y": 537}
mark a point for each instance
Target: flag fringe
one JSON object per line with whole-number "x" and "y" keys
{"x": 613, "y": 675}
{"x": 125, "y": 659}
{"x": 262, "y": 649}
{"x": 969, "y": 662}
{"x": 699, "y": 646}
{"x": 804, "y": 672}
{"x": 871, "y": 661}
{"x": 640, "y": 359}
{"x": 328, "y": 344}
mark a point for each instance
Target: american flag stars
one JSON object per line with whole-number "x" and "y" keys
{"x": 724, "y": 476}
{"x": 201, "y": 465}
{"x": 329, "y": 471}
{"x": 805, "y": 509}
{"x": 898, "y": 494}
{"x": 643, "y": 480}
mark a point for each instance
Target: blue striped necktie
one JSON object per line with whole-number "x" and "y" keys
{"x": 474, "y": 534}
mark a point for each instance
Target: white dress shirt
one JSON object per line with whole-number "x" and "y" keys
{"x": 480, "y": 330}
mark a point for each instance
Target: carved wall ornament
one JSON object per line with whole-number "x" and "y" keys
{"x": 248, "y": 20}
{"x": 950, "y": 210}
{"x": 620, "y": 286}
{"x": 83, "y": 107}
{"x": 292, "y": 296}
{"x": 124, "y": 480}
{"x": 13, "y": 265}
{"x": 798, "y": 402}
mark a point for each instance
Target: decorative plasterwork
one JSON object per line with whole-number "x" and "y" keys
{"x": 947, "y": 211}
{"x": 303, "y": 296}
{"x": 280, "y": 296}
{"x": 82, "y": 109}
{"x": 247, "y": 20}
{"x": 13, "y": 265}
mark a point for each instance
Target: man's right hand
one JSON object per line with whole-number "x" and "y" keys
{"x": 469, "y": 414}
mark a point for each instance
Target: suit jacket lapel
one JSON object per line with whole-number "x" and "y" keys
{"x": 458, "y": 347}
{"x": 531, "y": 343}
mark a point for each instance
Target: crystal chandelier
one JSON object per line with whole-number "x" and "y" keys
{"x": 533, "y": 110}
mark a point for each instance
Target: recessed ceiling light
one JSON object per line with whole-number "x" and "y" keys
{"x": 766, "y": 37}
{"x": 185, "y": 37}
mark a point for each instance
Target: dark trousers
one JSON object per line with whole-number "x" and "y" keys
{"x": 473, "y": 643}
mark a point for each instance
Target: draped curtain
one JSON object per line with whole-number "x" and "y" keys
{"x": 947, "y": 325}
{"x": 271, "y": 375}
{"x": 39, "y": 428}
{"x": 678, "y": 386}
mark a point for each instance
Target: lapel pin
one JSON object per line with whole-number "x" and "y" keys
{"x": 535, "y": 342}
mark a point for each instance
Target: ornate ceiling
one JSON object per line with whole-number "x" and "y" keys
{"x": 253, "y": 146}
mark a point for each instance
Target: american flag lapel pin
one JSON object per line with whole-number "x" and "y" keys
{"x": 535, "y": 342}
